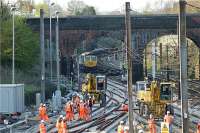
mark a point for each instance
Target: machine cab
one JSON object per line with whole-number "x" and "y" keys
{"x": 100, "y": 83}
{"x": 142, "y": 86}
{"x": 166, "y": 91}
{"x": 101, "y": 88}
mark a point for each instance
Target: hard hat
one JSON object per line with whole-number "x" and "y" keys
{"x": 41, "y": 104}
{"x": 168, "y": 112}
{"x": 44, "y": 105}
{"x": 121, "y": 122}
{"x": 42, "y": 121}
{"x": 140, "y": 131}
{"x": 81, "y": 101}
{"x": 151, "y": 115}
{"x": 61, "y": 116}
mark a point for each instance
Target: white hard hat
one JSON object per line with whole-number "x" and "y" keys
{"x": 168, "y": 112}
{"x": 140, "y": 131}
{"x": 121, "y": 122}
{"x": 61, "y": 116}
{"x": 44, "y": 105}
{"x": 42, "y": 121}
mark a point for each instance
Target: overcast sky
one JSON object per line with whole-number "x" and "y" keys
{"x": 108, "y": 5}
{"x": 111, "y": 5}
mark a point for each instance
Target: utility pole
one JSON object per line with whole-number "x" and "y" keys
{"x": 57, "y": 52}
{"x": 199, "y": 65}
{"x": 161, "y": 57}
{"x": 145, "y": 62}
{"x": 50, "y": 40}
{"x": 154, "y": 60}
{"x": 129, "y": 59}
{"x": 13, "y": 45}
{"x": 167, "y": 51}
{"x": 42, "y": 56}
{"x": 183, "y": 66}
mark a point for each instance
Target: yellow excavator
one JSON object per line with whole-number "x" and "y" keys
{"x": 95, "y": 86}
{"x": 153, "y": 97}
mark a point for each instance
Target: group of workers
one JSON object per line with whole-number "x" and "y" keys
{"x": 83, "y": 107}
{"x": 168, "y": 118}
{"x": 122, "y": 128}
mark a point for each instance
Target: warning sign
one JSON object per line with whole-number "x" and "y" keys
{"x": 164, "y": 127}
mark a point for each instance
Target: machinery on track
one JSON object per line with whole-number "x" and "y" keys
{"x": 153, "y": 97}
{"x": 95, "y": 86}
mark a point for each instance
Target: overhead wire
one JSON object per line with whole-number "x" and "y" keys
{"x": 193, "y": 6}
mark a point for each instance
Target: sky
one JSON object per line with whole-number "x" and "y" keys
{"x": 111, "y": 5}
{"x": 108, "y": 5}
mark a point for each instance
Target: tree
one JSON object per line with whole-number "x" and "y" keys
{"x": 26, "y": 42}
{"x": 42, "y": 6}
{"x": 75, "y": 7}
{"x": 88, "y": 10}
{"x": 78, "y": 8}
{"x": 169, "y": 7}
{"x": 108, "y": 42}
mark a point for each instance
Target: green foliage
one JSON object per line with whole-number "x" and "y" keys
{"x": 79, "y": 8}
{"x": 108, "y": 42}
{"x": 169, "y": 7}
{"x": 26, "y": 42}
{"x": 43, "y": 6}
{"x": 88, "y": 10}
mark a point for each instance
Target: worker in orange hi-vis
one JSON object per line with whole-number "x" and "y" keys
{"x": 77, "y": 102}
{"x": 152, "y": 126}
{"x": 81, "y": 110}
{"x": 69, "y": 111}
{"x": 198, "y": 127}
{"x": 64, "y": 125}
{"x": 120, "y": 128}
{"x": 44, "y": 113}
{"x": 40, "y": 111}
{"x": 86, "y": 112}
{"x": 72, "y": 110}
{"x": 169, "y": 119}
{"x": 42, "y": 127}
{"x": 59, "y": 124}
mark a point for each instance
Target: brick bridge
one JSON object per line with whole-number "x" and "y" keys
{"x": 145, "y": 28}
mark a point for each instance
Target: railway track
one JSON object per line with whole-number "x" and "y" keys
{"x": 104, "y": 120}
{"x": 194, "y": 118}
{"x": 116, "y": 94}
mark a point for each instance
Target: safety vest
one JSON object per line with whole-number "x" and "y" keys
{"x": 64, "y": 127}
{"x": 198, "y": 128}
{"x": 120, "y": 129}
{"x": 40, "y": 110}
{"x": 68, "y": 108}
{"x": 152, "y": 126}
{"x": 59, "y": 126}
{"x": 168, "y": 119}
{"x": 42, "y": 128}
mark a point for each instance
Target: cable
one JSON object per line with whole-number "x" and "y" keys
{"x": 193, "y": 6}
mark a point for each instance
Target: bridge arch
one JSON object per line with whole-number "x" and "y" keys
{"x": 167, "y": 56}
